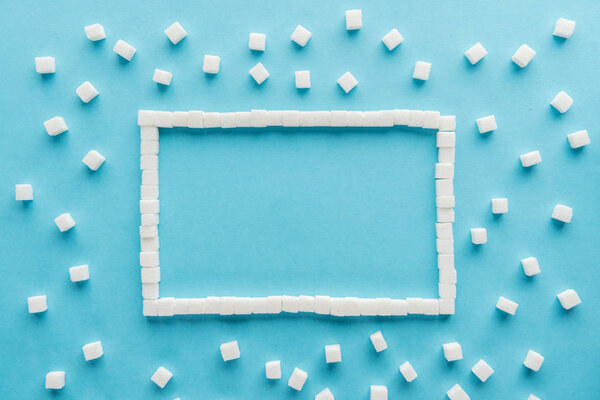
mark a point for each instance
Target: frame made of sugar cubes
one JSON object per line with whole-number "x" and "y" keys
{"x": 155, "y": 306}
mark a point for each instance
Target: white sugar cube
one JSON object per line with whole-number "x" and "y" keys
{"x": 452, "y": 351}
{"x": 230, "y": 351}
{"x": 532, "y": 397}
{"x": 353, "y": 19}
{"x": 531, "y": 158}
{"x": 447, "y": 123}
{"x": 347, "y": 81}
{"x": 578, "y": 139}
{"x": 161, "y": 377}
{"x": 482, "y": 370}
{"x": 166, "y": 307}
{"x": 333, "y": 353}
{"x": 445, "y": 139}
{"x": 273, "y": 369}
{"x": 446, "y": 155}
{"x": 150, "y": 274}
{"x": 162, "y": 77}
{"x": 506, "y": 305}
{"x": 297, "y": 379}
{"x": 95, "y": 32}
{"x": 92, "y": 351}
{"x": 378, "y": 392}
{"x": 259, "y": 73}
{"x": 447, "y": 306}
{"x": 408, "y": 372}
{"x": 445, "y": 261}
{"x": 64, "y": 222}
{"x": 500, "y": 205}
{"x": 79, "y": 273}
{"x": 445, "y": 214}
{"x": 86, "y": 92}
{"x": 55, "y": 126}
{"x": 568, "y": 299}
{"x": 124, "y": 49}
{"x": 457, "y": 393}
{"x": 523, "y": 55}
{"x": 302, "y": 79}
{"x": 175, "y": 32}
{"x": 447, "y": 276}
{"x": 378, "y": 341}
{"x": 301, "y": 35}
{"x": 487, "y": 124}
{"x": 211, "y": 64}
{"x": 443, "y": 230}
{"x": 45, "y": 65}
{"x": 444, "y": 171}
{"x": 444, "y": 201}
{"x": 444, "y": 187}
{"x": 564, "y": 28}
{"x": 257, "y": 41}
{"x": 530, "y": 266}
{"x": 476, "y": 53}
{"x": 37, "y": 304}
{"x": 93, "y": 160}
{"x": 422, "y": 70}
{"x": 562, "y": 102}
{"x": 562, "y": 213}
{"x": 533, "y": 360}
{"x": 392, "y": 39}
{"x": 23, "y": 192}
{"x": 479, "y": 235}
{"x": 55, "y": 380}
{"x": 431, "y": 306}
{"x": 149, "y": 259}
{"x": 324, "y": 394}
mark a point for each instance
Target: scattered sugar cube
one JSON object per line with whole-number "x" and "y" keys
{"x": 476, "y": 53}
{"x": 333, "y": 353}
{"x": 45, "y": 65}
{"x": 86, "y": 92}
{"x": 162, "y": 77}
{"x": 392, "y": 39}
{"x": 297, "y": 379}
{"x": 175, "y": 32}
{"x": 531, "y": 158}
{"x": 64, "y": 222}
{"x": 482, "y": 370}
{"x": 302, "y": 79}
{"x": 533, "y": 360}
{"x": 93, "y": 160}
{"x": 506, "y": 305}
{"x": 301, "y": 35}
{"x": 500, "y": 205}
{"x": 55, "y": 380}
{"x": 324, "y": 394}
{"x": 530, "y": 266}
{"x": 564, "y": 28}
{"x": 422, "y": 70}
{"x": 457, "y": 393}
{"x": 578, "y": 139}
{"x": 353, "y": 19}
{"x": 230, "y": 351}
{"x": 452, "y": 351}
{"x": 347, "y": 82}
{"x": 37, "y": 304}
{"x": 211, "y": 64}
{"x": 562, "y": 102}
{"x": 55, "y": 126}
{"x": 562, "y": 213}
{"x": 378, "y": 392}
{"x": 479, "y": 235}
{"x": 257, "y": 41}
{"x": 568, "y": 299}
{"x": 523, "y": 55}
{"x": 92, "y": 351}
{"x": 487, "y": 124}
{"x": 273, "y": 369}
{"x": 161, "y": 377}
{"x": 378, "y": 341}
{"x": 79, "y": 273}
{"x": 408, "y": 372}
{"x": 259, "y": 73}
{"x": 23, "y": 192}
{"x": 95, "y": 32}
{"x": 124, "y": 49}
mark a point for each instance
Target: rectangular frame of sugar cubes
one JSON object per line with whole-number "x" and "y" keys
{"x": 153, "y": 305}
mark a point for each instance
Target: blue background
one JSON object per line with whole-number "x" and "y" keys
{"x": 343, "y": 212}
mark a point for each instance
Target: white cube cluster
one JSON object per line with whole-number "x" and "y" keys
{"x": 93, "y": 160}
{"x": 297, "y": 379}
{"x": 530, "y": 266}
{"x": 124, "y": 49}
{"x": 482, "y": 370}
{"x": 64, "y": 222}
{"x": 257, "y": 41}
{"x": 55, "y": 126}
{"x": 45, "y": 65}
{"x": 211, "y": 64}
{"x": 523, "y": 55}
{"x": 24, "y": 192}
{"x": 479, "y": 235}
{"x": 564, "y": 28}
{"x": 378, "y": 341}
{"x": 452, "y": 351}
{"x": 500, "y": 205}
{"x": 506, "y": 305}
{"x": 476, "y": 53}
{"x": 55, "y": 380}
{"x": 422, "y": 70}
{"x": 562, "y": 102}
{"x": 578, "y": 139}
{"x": 347, "y": 81}
{"x": 530, "y": 159}
{"x": 324, "y": 394}
{"x": 273, "y": 369}
{"x": 175, "y": 32}
{"x": 457, "y": 393}
{"x": 95, "y": 32}
{"x": 533, "y": 360}
{"x": 568, "y": 299}
{"x": 37, "y": 304}
{"x": 392, "y": 39}
{"x": 562, "y": 213}
{"x": 161, "y": 377}
{"x": 301, "y": 36}
{"x": 302, "y": 79}
{"x": 163, "y": 77}
{"x": 230, "y": 351}
{"x": 353, "y": 19}
{"x": 408, "y": 372}
{"x": 333, "y": 353}
{"x": 487, "y": 124}
{"x": 79, "y": 273}
{"x": 92, "y": 351}
{"x": 378, "y": 392}
{"x": 259, "y": 73}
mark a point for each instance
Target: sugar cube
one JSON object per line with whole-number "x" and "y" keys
{"x": 55, "y": 126}
{"x": 506, "y": 305}
{"x": 162, "y": 77}
{"x": 124, "y": 49}
{"x": 530, "y": 266}
{"x": 476, "y": 53}
{"x": 93, "y": 160}
{"x": 500, "y": 205}
{"x": 175, "y": 32}
{"x": 297, "y": 379}
{"x": 378, "y": 392}
{"x": 562, "y": 102}
{"x": 257, "y": 41}
{"x": 378, "y": 341}
{"x": 479, "y": 235}
{"x": 422, "y": 70}
{"x": 445, "y": 139}
{"x": 482, "y": 370}
{"x": 578, "y": 139}
{"x": 79, "y": 273}
{"x": 230, "y": 351}
{"x": 45, "y": 65}
{"x": 562, "y": 213}
{"x": 23, "y": 192}
{"x": 55, "y": 380}
{"x": 452, "y": 351}
{"x": 446, "y": 306}
{"x": 444, "y": 171}
{"x": 161, "y": 377}
{"x": 564, "y": 28}
{"x": 408, "y": 372}
{"x": 259, "y": 73}
{"x": 392, "y": 39}
{"x": 533, "y": 360}
{"x": 273, "y": 369}
{"x": 211, "y": 64}
{"x": 333, "y": 353}
{"x": 95, "y": 32}
{"x": 64, "y": 222}
{"x": 324, "y": 394}
{"x": 532, "y": 397}
{"x": 37, "y": 304}
{"x": 523, "y": 55}
{"x": 568, "y": 299}
{"x": 301, "y": 35}
{"x": 531, "y": 158}
{"x": 447, "y": 123}
{"x": 302, "y": 79}
{"x": 353, "y": 19}
{"x": 487, "y": 124}
{"x": 347, "y": 81}
{"x": 457, "y": 393}
{"x": 92, "y": 351}
{"x": 86, "y": 92}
